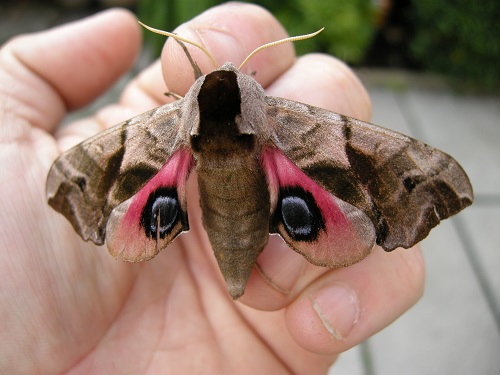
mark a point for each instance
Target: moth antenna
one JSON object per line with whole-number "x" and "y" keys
{"x": 179, "y": 38}
{"x": 281, "y": 41}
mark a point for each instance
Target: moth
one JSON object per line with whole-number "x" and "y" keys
{"x": 332, "y": 186}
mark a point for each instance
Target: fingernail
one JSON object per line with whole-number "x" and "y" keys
{"x": 221, "y": 43}
{"x": 337, "y": 307}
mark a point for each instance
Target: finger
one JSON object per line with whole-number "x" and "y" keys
{"x": 145, "y": 92}
{"x": 326, "y": 82}
{"x": 279, "y": 277}
{"x": 345, "y": 306}
{"x": 229, "y": 32}
{"x": 66, "y": 67}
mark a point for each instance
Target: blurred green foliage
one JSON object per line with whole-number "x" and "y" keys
{"x": 460, "y": 38}
{"x": 349, "y": 25}
{"x": 167, "y": 15}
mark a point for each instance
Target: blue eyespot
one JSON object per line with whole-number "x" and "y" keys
{"x": 296, "y": 215}
{"x": 298, "y": 212}
{"x": 164, "y": 214}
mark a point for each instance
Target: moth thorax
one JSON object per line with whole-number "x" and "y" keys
{"x": 219, "y": 103}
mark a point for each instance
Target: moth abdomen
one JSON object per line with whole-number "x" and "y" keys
{"x": 235, "y": 213}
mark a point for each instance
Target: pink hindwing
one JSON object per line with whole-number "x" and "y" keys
{"x": 324, "y": 229}
{"x": 147, "y": 222}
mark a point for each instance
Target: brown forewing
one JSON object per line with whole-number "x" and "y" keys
{"x": 87, "y": 182}
{"x": 405, "y": 186}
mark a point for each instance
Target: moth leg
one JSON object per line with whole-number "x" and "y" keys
{"x": 196, "y": 69}
{"x": 174, "y": 95}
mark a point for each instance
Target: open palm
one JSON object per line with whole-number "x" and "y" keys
{"x": 68, "y": 306}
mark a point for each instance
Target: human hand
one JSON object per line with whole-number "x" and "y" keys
{"x": 67, "y": 305}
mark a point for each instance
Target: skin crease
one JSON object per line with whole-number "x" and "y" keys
{"x": 172, "y": 314}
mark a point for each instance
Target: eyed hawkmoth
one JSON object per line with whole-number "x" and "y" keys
{"x": 330, "y": 185}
